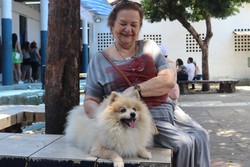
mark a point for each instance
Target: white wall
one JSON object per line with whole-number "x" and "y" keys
{"x": 94, "y": 29}
{"x": 34, "y": 31}
{"x": 224, "y": 62}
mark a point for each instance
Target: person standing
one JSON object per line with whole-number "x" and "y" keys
{"x": 17, "y": 59}
{"x": 145, "y": 67}
{"x": 26, "y": 70}
{"x": 190, "y": 68}
{"x": 34, "y": 61}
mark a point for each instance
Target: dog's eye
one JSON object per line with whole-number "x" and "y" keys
{"x": 122, "y": 110}
{"x": 134, "y": 109}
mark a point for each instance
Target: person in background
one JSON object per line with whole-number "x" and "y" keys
{"x": 174, "y": 93}
{"x": 190, "y": 68}
{"x": 182, "y": 74}
{"x": 164, "y": 50}
{"x": 17, "y": 59}
{"x": 197, "y": 74}
{"x": 146, "y": 68}
{"x": 26, "y": 69}
{"x": 34, "y": 61}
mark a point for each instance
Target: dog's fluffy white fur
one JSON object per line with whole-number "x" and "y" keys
{"x": 122, "y": 128}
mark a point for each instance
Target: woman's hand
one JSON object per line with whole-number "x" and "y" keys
{"x": 90, "y": 105}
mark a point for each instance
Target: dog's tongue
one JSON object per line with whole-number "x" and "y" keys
{"x": 132, "y": 123}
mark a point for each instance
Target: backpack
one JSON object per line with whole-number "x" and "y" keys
{"x": 182, "y": 75}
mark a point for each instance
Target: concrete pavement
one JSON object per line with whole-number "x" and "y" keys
{"x": 226, "y": 117}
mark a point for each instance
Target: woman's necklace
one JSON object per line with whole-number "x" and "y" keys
{"x": 125, "y": 58}
{"x": 134, "y": 67}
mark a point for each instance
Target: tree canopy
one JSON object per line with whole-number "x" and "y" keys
{"x": 191, "y": 10}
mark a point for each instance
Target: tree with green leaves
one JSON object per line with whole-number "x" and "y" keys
{"x": 187, "y": 11}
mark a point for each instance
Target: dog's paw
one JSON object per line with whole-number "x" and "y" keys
{"x": 118, "y": 164}
{"x": 147, "y": 155}
{"x": 144, "y": 153}
{"x": 118, "y": 161}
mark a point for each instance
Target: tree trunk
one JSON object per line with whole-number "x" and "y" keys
{"x": 205, "y": 52}
{"x": 205, "y": 68}
{"x": 202, "y": 43}
{"x": 62, "y": 64}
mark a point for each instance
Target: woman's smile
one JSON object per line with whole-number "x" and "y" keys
{"x": 127, "y": 26}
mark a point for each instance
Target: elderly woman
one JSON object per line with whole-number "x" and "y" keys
{"x": 145, "y": 67}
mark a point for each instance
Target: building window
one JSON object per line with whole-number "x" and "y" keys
{"x": 104, "y": 40}
{"x": 241, "y": 40}
{"x": 154, "y": 37}
{"x": 191, "y": 44}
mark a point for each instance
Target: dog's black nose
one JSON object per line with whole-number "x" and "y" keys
{"x": 132, "y": 114}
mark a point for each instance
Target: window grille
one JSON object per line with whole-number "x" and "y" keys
{"x": 154, "y": 37}
{"x": 241, "y": 40}
{"x": 104, "y": 40}
{"x": 191, "y": 44}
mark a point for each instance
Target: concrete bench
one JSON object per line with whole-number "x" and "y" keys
{"x": 225, "y": 86}
{"x": 14, "y": 115}
{"x": 25, "y": 150}
{"x": 32, "y": 150}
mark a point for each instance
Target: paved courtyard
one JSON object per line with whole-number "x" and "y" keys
{"x": 226, "y": 117}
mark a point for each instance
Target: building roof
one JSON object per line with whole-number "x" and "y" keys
{"x": 97, "y": 7}
{"x": 90, "y": 9}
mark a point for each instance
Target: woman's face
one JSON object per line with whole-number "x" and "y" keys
{"x": 126, "y": 27}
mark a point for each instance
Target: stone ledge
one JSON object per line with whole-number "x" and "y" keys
{"x": 22, "y": 97}
{"x": 14, "y": 114}
{"x": 25, "y": 86}
{"x": 52, "y": 150}
{"x": 225, "y": 86}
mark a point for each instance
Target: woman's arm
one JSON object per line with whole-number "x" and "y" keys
{"x": 38, "y": 54}
{"x": 175, "y": 92}
{"x": 90, "y": 105}
{"x": 19, "y": 49}
{"x": 159, "y": 85}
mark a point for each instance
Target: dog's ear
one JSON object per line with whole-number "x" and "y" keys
{"x": 135, "y": 94}
{"x": 113, "y": 96}
{"x": 131, "y": 92}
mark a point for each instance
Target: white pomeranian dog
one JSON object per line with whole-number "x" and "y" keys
{"x": 122, "y": 128}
